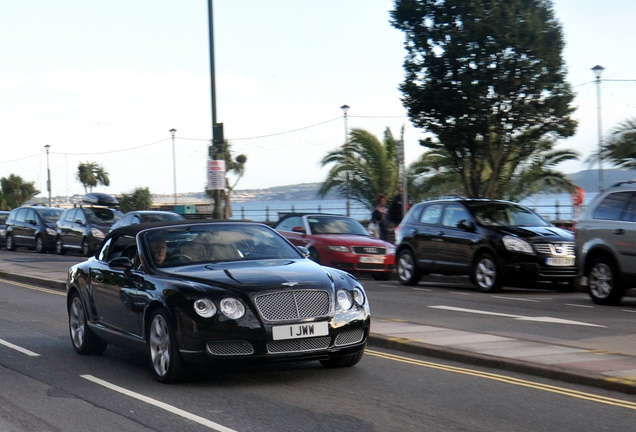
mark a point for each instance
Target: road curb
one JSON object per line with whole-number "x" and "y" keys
{"x": 48, "y": 283}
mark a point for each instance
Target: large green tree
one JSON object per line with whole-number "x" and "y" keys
{"x": 138, "y": 199}
{"x": 362, "y": 168}
{"x": 90, "y": 174}
{"x": 487, "y": 80}
{"x": 15, "y": 191}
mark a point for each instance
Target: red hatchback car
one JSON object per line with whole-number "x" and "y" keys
{"x": 339, "y": 241}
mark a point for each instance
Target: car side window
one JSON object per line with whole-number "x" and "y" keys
{"x": 20, "y": 215}
{"x": 612, "y": 206}
{"x": 453, "y": 214}
{"x": 291, "y": 222}
{"x": 118, "y": 247}
{"x": 431, "y": 214}
{"x": 30, "y": 216}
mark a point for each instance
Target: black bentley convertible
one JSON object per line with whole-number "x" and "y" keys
{"x": 214, "y": 291}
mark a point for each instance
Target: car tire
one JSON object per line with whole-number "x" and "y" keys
{"x": 59, "y": 246}
{"x": 165, "y": 361}
{"x": 86, "y": 249}
{"x": 314, "y": 255}
{"x": 485, "y": 274}
{"x": 604, "y": 283}
{"x": 39, "y": 244}
{"x": 407, "y": 271}
{"x": 347, "y": 360}
{"x": 83, "y": 339}
{"x": 9, "y": 243}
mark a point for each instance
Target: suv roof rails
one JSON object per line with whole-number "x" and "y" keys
{"x": 624, "y": 182}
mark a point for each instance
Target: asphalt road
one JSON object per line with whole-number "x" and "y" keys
{"x": 46, "y": 386}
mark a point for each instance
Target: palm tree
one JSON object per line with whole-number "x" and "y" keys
{"x": 15, "y": 191}
{"x": 436, "y": 175}
{"x": 362, "y": 168}
{"x": 139, "y": 199}
{"x": 234, "y": 165}
{"x": 90, "y": 174}
{"x": 620, "y": 148}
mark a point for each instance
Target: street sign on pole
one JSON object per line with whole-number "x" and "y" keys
{"x": 216, "y": 174}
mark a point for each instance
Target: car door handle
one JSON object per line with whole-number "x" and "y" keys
{"x": 619, "y": 231}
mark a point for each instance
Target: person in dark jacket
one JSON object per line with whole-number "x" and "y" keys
{"x": 380, "y": 217}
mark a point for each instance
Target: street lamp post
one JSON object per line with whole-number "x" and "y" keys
{"x": 48, "y": 173}
{"x": 345, "y": 110}
{"x": 174, "y": 165}
{"x": 597, "y": 72}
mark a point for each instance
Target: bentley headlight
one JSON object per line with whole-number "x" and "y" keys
{"x": 515, "y": 244}
{"x": 358, "y": 296}
{"x": 98, "y": 234}
{"x": 232, "y": 308}
{"x": 205, "y": 307}
{"x": 344, "y": 299}
{"x": 336, "y": 248}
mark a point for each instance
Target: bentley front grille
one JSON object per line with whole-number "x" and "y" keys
{"x": 298, "y": 345}
{"x": 293, "y": 305}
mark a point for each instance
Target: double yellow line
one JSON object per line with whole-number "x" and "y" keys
{"x": 508, "y": 380}
{"x": 33, "y": 287}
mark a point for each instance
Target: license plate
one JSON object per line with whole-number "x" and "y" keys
{"x": 372, "y": 259}
{"x": 563, "y": 262}
{"x": 298, "y": 331}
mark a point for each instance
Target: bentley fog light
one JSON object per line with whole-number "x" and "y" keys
{"x": 344, "y": 299}
{"x": 515, "y": 244}
{"x": 205, "y": 308}
{"x": 232, "y": 308}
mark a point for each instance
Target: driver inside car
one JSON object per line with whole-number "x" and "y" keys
{"x": 159, "y": 249}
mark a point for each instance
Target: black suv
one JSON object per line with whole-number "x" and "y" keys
{"x": 606, "y": 243}
{"x": 83, "y": 228}
{"x": 491, "y": 241}
{"x": 32, "y": 227}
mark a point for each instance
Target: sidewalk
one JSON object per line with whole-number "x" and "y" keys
{"x": 592, "y": 366}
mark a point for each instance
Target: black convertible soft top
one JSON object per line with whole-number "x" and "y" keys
{"x": 134, "y": 229}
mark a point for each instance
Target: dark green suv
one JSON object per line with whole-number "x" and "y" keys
{"x": 606, "y": 244}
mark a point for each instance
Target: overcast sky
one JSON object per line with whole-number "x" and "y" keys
{"x": 105, "y": 81}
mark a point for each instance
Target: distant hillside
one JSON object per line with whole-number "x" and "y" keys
{"x": 589, "y": 180}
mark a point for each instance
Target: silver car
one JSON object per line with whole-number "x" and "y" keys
{"x": 606, "y": 244}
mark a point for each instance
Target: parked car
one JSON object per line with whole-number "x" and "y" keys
{"x": 339, "y": 241}
{"x": 3, "y": 226}
{"x": 606, "y": 244}
{"x": 494, "y": 242}
{"x": 32, "y": 227}
{"x": 83, "y": 228}
{"x": 143, "y": 216}
{"x": 214, "y": 292}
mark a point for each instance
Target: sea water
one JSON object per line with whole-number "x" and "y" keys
{"x": 551, "y": 206}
